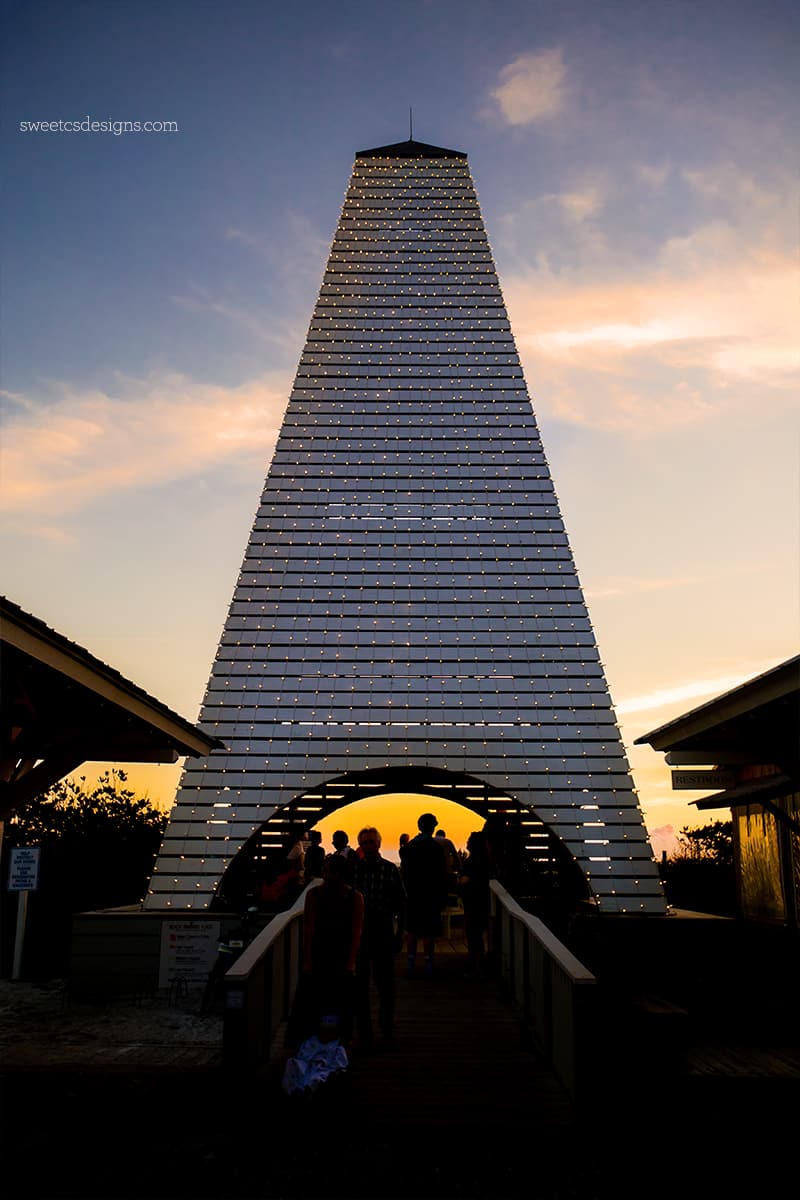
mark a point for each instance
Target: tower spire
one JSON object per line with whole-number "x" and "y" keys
{"x": 410, "y": 124}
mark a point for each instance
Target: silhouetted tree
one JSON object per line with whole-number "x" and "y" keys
{"x": 98, "y": 848}
{"x": 700, "y": 874}
{"x": 707, "y": 842}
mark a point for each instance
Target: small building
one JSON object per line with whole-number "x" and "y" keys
{"x": 61, "y": 707}
{"x": 745, "y": 745}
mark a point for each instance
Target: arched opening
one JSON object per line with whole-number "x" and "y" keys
{"x": 528, "y": 858}
{"x": 395, "y": 813}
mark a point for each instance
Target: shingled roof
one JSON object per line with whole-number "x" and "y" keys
{"x": 60, "y": 707}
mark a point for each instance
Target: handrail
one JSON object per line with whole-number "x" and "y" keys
{"x": 249, "y": 958}
{"x": 259, "y": 989}
{"x": 553, "y": 991}
{"x": 567, "y": 960}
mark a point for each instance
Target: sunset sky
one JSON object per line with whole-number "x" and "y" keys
{"x": 637, "y": 170}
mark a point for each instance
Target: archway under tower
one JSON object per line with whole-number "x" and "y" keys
{"x": 530, "y": 860}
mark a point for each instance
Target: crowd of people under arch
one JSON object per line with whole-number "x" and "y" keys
{"x": 364, "y": 909}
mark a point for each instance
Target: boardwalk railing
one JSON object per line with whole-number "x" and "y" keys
{"x": 554, "y": 993}
{"x": 259, "y": 989}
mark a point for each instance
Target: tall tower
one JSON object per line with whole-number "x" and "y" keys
{"x": 408, "y": 615}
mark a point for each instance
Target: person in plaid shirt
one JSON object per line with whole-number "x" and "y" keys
{"x": 380, "y": 884}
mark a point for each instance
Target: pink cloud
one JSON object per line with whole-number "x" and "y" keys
{"x": 66, "y": 455}
{"x": 530, "y": 87}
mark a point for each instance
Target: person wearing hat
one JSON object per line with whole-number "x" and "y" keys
{"x": 424, "y": 870}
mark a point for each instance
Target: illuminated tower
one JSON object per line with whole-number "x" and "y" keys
{"x": 408, "y": 614}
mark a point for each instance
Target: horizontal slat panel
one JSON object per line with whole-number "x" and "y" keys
{"x": 409, "y": 552}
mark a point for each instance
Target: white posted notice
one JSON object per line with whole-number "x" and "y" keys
{"x": 23, "y": 875}
{"x": 188, "y": 951}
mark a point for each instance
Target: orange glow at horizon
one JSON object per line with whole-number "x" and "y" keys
{"x": 393, "y": 813}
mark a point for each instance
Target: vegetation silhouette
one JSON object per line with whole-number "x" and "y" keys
{"x": 700, "y": 874}
{"x": 98, "y": 846}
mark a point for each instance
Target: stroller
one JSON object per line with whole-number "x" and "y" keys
{"x": 320, "y": 1065}
{"x": 319, "y": 1029}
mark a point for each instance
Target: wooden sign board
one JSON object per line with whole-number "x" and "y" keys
{"x": 702, "y": 781}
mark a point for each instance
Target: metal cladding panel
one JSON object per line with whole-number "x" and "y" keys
{"x": 408, "y": 596}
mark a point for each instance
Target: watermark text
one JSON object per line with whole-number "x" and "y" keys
{"x": 88, "y": 125}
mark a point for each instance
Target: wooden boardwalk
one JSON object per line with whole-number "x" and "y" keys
{"x": 449, "y": 1111}
{"x": 461, "y": 1108}
{"x": 458, "y": 1105}
{"x": 458, "y": 1052}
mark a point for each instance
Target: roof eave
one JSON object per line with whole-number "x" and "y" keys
{"x": 772, "y": 685}
{"x": 36, "y": 639}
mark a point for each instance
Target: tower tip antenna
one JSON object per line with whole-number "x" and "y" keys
{"x": 410, "y": 124}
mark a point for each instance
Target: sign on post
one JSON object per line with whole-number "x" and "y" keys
{"x": 23, "y": 874}
{"x": 23, "y": 877}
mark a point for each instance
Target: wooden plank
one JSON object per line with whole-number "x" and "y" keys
{"x": 456, "y": 1043}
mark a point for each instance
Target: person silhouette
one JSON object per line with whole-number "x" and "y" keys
{"x": 380, "y": 883}
{"x": 450, "y": 852}
{"x": 342, "y": 847}
{"x": 424, "y": 872}
{"x": 333, "y": 917}
{"x": 473, "y": 885}
{"x": 314, "y": 856}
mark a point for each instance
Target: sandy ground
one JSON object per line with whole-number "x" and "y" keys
{"x": 40, "y": 1026}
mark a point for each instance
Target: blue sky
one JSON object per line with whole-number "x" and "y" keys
{"x": 637, "y": 171}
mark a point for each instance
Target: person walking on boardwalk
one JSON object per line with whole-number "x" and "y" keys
{"x": 473, "y": 885}
{"x": 314, "y": 857}
{"x": 424, "y": 872}
{"x": 451, "y": 865}
{"x": 450, "y": 852}
{"x": 379, "y": 882}
{"x": 333, "y": 918}
{"x": 342, "y": 847}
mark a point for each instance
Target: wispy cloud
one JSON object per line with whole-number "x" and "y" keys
{"x": 693, "y": 689}
{"x": 200, "y": 299}
{"x": 714, "y": 576}
{"x": 735, "y": 317}
{"x": 660, "y": 350}
{"x": 579, "y": 205}
{"x": 283, "y": 331}
{"x": 67, "y": 454}
{"x": 296, "y": 247}
{"x": 288, "y": 257}
{"x": 628, "y": 586}
{"x": 670, "y": 328}
{"x": 531, "y": 87}
{"x": 583, "y": 197}
{"x": 654, "y": 175}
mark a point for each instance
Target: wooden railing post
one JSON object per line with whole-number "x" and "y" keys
{"x": 554, "y": 993}
{"x": 259, "y": 989}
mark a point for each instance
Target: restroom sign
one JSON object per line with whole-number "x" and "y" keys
{"x": 23, "y": 874}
